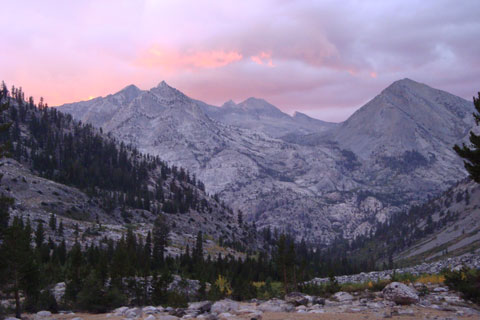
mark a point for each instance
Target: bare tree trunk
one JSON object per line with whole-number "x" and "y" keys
{"x": 295, "y": 279}
{"x": 285, "y": 278}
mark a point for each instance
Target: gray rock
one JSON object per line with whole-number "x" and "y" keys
{"x": 133, "y": 313}
{"x": 167, "y": 317}
{"x": 225, "y": 315}
{"x": 120, "y": 311}
{"x": 296, "y": 298}
{"x": 150, "y": 310}
{"x": 400, "y": 293}
{"x": 224, "y": 306}
{"x": 201, "y": 307}
{"x": 342, "y": 296}
{"x": 276, "y": 305}
{"x": 44, "y": 314}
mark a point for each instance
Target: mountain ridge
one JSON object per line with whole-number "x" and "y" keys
{"x": 321, "y": 184}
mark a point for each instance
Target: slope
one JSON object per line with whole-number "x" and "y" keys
{"x": 63, "y": 168}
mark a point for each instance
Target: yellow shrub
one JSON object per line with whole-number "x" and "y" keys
{"x": 223, "y": 285}
{"x": 258, "y": 284}
{"x": 432, "y": 278}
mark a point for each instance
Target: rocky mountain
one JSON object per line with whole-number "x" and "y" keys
{"x": 98, "y": 187}
{"x": 259, "y": 115}
{"x": 340, "y": 180}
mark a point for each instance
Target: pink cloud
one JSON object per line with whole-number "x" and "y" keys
{"x": 212, "y": 50}
{"x": 263, "y": 58}
{"x": 174, "y": 60}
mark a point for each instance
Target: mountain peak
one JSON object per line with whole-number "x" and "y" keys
{"x": 163, "y": 84}
{"x": 260, "y": 106}
{"x": 229, "y": 104}
{"x": 164, "y": 91}
{"x": 129, "y": 92}
{"x": 404, "y": 84}
{"x": 130, "y": 88}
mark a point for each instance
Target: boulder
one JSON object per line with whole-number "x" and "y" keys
{"x": 201, "y": 307}
{"x": 400, "y": 293}
{"x": 179, "y": 312}
{"x": 342, "y": 296}
{"x": 317, "y": 300}
{"x": 133, "y": 313}
{"x": 208, "y": 316}
{"x": 150, "y": 317}
{"x": 150, "y": 310}
{"x": 440, "y": 289}
{"x": 58, "y": 291}
{"x": 296, "y": 298}
{"x": 224, "y": 306}
{"x": 43, "y": 314}
{"x": 276, "y": 305}
{"x": 11, "y": 318}
{"x": 167, "y": 317}
{"x": 225, "y": 315}
{"x": 120, "y": 311}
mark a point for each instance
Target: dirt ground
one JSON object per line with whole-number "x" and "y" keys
{"x": 419, "y": 313}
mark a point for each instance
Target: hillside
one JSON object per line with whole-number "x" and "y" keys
{"x": 101, "y": 187}
{"x": 445, "y": 226}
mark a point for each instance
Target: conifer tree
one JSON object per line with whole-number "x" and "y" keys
{"x": 39, "y": 235}
{"x": 198, "y": 250}
{"x": 160, "y": 233}
{"x": 282, "y": 260}
{"x": 5, "y": 202}
{"x": 52, "y": 222}
{"x": 471, "y": 153}
{"x": 17, "y": 265}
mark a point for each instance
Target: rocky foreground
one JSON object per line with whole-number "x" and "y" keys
{"x": 395, "y": 301}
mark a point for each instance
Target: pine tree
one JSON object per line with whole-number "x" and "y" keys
{"x": 198, "y": 250}
{"x": 471, "y": 154}
{"x": 52, "y": 222}
{"x": 17, "y": 267}
{"x": 39, "y": 235}
{"x": 60, "y": 228}
{"x": 282, "y": 260}
{"x": 160, "y": 233}
{"x": 5, "y": 202}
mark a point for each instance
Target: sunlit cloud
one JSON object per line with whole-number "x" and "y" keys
{"x": 300, "y": 55}
{"x": 263, "y": 58}
{"x": 173, "y": 60}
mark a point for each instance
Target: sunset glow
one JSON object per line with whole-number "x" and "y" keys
{"x": 301, "y": 55}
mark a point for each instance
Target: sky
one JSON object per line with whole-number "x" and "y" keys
{"x": 323, "y": 58}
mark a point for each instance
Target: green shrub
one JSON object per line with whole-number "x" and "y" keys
{"x": 466, "y": 281}
{"x": 176, "y": 300}
{"x": 46, "y": 301}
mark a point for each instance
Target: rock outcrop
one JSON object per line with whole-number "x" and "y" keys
{"x": 400, "y": 293}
